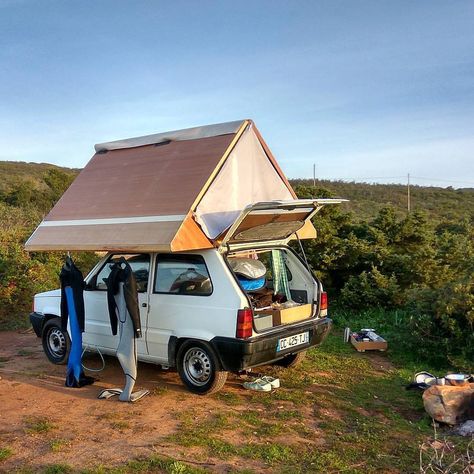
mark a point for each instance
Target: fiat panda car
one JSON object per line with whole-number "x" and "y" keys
{"x": 248, "y": 302}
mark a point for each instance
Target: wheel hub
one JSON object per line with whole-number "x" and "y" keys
{"x": 197, "y": 366}
{"x": 56, "y": 342}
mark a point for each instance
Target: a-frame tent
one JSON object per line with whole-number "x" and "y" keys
{"x": 172, "y": 191}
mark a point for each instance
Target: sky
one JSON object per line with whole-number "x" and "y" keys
{"x": 365, "y": 90}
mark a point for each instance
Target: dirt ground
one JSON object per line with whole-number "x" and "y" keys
{"x": 86, "y": 432}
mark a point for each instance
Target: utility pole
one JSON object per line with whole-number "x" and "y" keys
{"x": 408, "y": 193}
{"x": 314, "y": 175}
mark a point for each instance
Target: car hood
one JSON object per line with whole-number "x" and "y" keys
{"x": 51, "y": 293}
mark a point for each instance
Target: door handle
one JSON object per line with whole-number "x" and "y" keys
{"x": 144, "y": 305}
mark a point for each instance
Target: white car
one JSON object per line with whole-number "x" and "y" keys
{"x": 195, "y": 313}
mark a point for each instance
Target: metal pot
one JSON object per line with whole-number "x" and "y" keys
{"x": 457, "y": 379}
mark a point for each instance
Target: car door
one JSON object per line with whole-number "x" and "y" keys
{"x": 98, "y": 330}
{"x": 181, "y": 289}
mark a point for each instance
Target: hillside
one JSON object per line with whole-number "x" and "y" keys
{"x": 14, "y": 172}
{"x": 374, "y": 257}
{"x": 365, "y": 199}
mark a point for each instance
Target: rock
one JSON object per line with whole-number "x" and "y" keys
{"x": 466, "y": 429}
{"x": 450, "y": 404}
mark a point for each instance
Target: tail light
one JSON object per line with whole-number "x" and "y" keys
{"x": 33, "y": 305}
{"x": 244, "y": 323}
{"x": 324, "y": 300}
{"x": 323, "y": 304}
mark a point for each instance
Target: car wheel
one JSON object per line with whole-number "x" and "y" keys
{"x": 56, "y": 343}
{"x": 199, "y": 368}
{"x": 291, "y": 360}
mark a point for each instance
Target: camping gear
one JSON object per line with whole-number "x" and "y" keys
{"x": 368, "y": 340}
{"x": 286, "y": 313}
{"x": 280, "y": 276}
{"x": 423, "y": 380}
{"x": 457, "y": 379}
{"x": 250, "y": 268}
{"x": 424, "y": 377}
{"x": 72, "y": 309}
{"x": 250, "y": 272}
{"x": 251, "y": 285}
{"x": 123, "y": 308}
{"x": 178, "y": 191}
{"x": 212, "y": 190}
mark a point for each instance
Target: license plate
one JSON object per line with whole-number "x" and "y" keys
{"x": 292, "y": 341}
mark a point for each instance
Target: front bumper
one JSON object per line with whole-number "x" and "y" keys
{"x": 239, "y": 354}
{"x": 37, "y": 321}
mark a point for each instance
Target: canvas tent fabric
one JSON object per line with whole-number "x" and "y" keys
{"x": 246, "y": 177}
{"x": 172, "y": 191}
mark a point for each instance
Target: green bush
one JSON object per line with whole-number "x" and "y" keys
{"x": 371, "y": 289}
{"x": 23, "y": 274}
{"x": 418, "y": 269}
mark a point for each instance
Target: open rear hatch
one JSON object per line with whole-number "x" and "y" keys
{"x": 273, "y": 222}
{"x": 279, "y": 288}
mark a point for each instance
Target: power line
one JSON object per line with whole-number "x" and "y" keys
{"x": 404, "y": 177}
{"x": 444, "y": 180}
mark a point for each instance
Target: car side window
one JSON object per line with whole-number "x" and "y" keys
{"x": 182, "y": 275}
{"x": 140, "y": 264}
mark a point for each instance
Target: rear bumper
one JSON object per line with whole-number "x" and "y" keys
{"x": 37, "y": 321}
{"x": 239, "y": 354}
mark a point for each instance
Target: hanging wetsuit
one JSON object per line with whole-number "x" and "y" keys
{"x": 122, "y": 298}
{"x": 121, "y": 272}
{"x": 72, "y": 308}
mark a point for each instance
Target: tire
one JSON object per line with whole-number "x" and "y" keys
{"x": 199, "y": 368}
{"x": 291, "y": 360}
{"x": 56, "y": 342}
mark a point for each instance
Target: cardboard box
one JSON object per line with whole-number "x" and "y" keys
{"x": 362, "y": 346}
{"x": 288, "y": 315}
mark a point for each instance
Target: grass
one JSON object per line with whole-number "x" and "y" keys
{"x": 228, "y": 398}
{"x": 5, "y": 453}
{"x": 58, "y": 469}
{"x": 57, "y": 445}
{"x": 159, "y": 391}
{"x": 339, "y": 411}
{"x": 120, "y": 425}
{"x": 394, "y": 325}
{"x": 150, "y": 464}
{"x": 25, "y": 353}
{"x": 38, "y": 425}
{"x": 116, "y": 420}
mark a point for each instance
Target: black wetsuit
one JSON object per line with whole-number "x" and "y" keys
{"x": 72, "y": 307}
{"x": 123, "y": 275}
{"x": 71, "y": 276}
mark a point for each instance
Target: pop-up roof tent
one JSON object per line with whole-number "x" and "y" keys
{"x": 174, "y": 191}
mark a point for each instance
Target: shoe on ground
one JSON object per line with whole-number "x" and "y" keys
{"x": 275, "y": 383}
{"x": 258, "y": 385}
